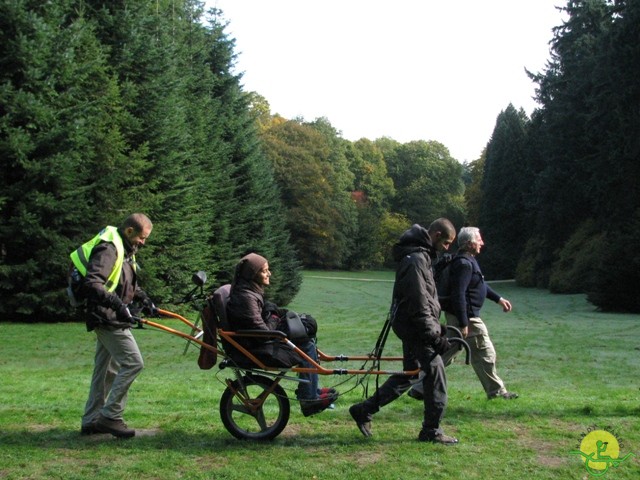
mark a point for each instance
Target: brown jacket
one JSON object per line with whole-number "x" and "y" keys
{"x": 102, "y": 305}
{"x": 245, "y": 309}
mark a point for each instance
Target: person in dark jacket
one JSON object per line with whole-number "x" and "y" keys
{"x": 246, "y": 311}
{"x": 416, "y": 323}
{"x": 110, "y": 285}
{"x": 468, "y": 293}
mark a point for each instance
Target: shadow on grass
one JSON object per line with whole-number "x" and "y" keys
{"x": 508, "y": 411}
{"x": 204, "y": 441}
{"x": 193, "y": 443}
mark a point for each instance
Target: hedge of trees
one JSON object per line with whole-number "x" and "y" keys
{"x": 107, "y": 108}
{"x": 560, "y": 197}
{"x": 114, "y": 107}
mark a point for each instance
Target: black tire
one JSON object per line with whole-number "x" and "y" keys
{"x": 263, "y": 422}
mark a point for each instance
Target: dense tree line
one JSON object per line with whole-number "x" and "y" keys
{"x": 112, "y": 107}
{"x": 560, "y": 197}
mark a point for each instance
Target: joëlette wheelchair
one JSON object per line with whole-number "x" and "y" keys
{"x": 254, "y": 404}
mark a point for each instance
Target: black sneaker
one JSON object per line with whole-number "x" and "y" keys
{"x": 440, "y": 438}
{"x": 362, "y": 419}
{"x": 117, "y": 428}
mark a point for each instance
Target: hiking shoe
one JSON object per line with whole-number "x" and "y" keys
{"x": 89, "y": 429}
{"x": 415, "y": 394}
{"x": 311, "y": 407}
{"x": 362, "y": 419}
{"x": 440, "y": 438}
{"x": 117, "y": 428}
{"x": 505, "y": 395}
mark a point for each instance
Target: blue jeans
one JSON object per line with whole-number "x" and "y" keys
{"x": 308, "y": 390}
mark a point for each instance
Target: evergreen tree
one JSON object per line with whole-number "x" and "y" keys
{"x": 154, "y": 49}
{"x": 249, "y": 212}
{"x": 584, "y": 152}
{"x": 563, "y": 188}
{"x": 505, "y": 181}
{"x": 614, "y": 119}
{"x": 111, "y": 108}
{"x": 66, "y": 164}
{"x": 205, "y": 203}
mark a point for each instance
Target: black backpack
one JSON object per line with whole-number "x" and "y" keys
{"x": 74, "y": 284}
{"x": 442, "y": 275}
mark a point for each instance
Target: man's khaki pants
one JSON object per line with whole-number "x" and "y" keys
{"x": 117, "y": 364}
{"x": 483, "y": 355}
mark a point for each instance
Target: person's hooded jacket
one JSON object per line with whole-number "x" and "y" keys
{"x": 246, "y": 301}
{"x": 415, "y": 295}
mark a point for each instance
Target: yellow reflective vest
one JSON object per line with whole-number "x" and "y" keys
{"x": 80, "y": 257}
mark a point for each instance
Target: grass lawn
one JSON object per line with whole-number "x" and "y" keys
{"x": 575, "y": 370}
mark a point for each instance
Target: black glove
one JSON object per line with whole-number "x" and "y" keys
{"x": 123, "y": 314}
{"x": 443, "y": 330}
{"x": 441, "y": 345}
{"x": 148, "y": 308}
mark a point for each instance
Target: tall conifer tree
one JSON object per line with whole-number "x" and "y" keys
{"x": 505, "y": 183}
{"x": 66, "y": 165}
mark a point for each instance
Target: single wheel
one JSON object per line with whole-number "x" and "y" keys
{"x": 254, "y": 408}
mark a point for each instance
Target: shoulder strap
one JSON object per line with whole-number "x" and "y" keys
{"x": 463, "y": 257}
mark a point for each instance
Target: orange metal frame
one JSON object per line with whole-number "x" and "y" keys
{"x": 230, "y": 337}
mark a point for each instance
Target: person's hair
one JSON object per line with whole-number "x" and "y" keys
{"x": 138, "y": 221}
{"x": 444, "y": 226}
{"x": 466, "y": 235}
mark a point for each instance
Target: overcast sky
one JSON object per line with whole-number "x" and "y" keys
{"x": 405, "y": 69}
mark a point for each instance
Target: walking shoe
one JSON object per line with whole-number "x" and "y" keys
{"x": 505, "y": 395}
{"x": 117, "y": 428}
{"x": 415, "y": 394}
{"x": 311, "y": 407}
{"x": 440, "y": 438}
{"x": 362, "y": 419}
{"x": 89, "y": 429}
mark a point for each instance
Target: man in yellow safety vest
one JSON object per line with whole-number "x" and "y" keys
{"x": 109, "y": 283}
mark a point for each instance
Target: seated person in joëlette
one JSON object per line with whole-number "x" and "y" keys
{"x": 246, "y": 311}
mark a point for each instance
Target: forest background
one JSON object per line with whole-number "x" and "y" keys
{"x": 108, "y": 108}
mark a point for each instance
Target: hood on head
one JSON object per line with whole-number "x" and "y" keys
{"x": 415, "y": 239}
{"x": 249, "y": 266}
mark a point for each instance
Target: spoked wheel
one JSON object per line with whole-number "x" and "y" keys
{"x": 254, "y": 408}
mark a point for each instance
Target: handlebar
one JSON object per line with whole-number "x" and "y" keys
{"x": 464, "y": 345}
{"x": 456, "y": 337}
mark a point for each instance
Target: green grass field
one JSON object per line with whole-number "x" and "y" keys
{"x": 575, "y": 370}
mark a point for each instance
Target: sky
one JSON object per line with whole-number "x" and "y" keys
{"x": 409, "y": 70}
